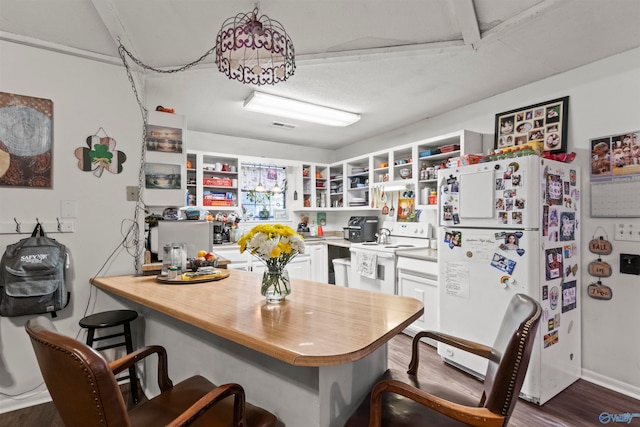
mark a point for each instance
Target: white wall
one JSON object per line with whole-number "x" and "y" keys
{"x": 254, "y": 147}
{"x": 87, "y": 96}
{"x": 604, "y": 100}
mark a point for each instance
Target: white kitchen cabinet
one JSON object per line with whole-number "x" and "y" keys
{"x": 319, "y": 262}
{"x": 315, "y": 186}
{"x": 402, "y": 168}
{"x": 213, "y": 179}
{"x": 237, "y": 260}
{"x": 322, "y": 186}
{"x": 192, "y": 179}
{"x": 308, "y": 183}
{"x": 381, "y": 167}
{"x": 346, "y": 185}
{"x": 419, "y": 279}
{"x": 399, "y": 166}
{"x": 357, "y": 185}
{"x": 299, "y": 268}
{"x": 434, "y": 153}
{"x": 336, "y": 186}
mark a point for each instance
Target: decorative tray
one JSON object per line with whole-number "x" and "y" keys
{"x": 190, "y": 278}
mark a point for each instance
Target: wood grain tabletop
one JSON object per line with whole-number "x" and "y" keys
{"x": 317, "y": 325}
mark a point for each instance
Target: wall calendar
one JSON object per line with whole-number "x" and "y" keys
{"x": 615, "y": 176}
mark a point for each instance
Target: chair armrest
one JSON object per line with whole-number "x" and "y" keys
{"x": 164, "y": 382}
{"x": 474, "y": 416}
{"x": 210, "y": 399}
{"x": 462, "y": 344}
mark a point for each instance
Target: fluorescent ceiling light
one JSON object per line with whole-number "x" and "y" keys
{"x": 284, "y": 107}
{"x": 393, "y": 185}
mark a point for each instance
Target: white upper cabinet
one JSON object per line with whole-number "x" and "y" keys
{"x": 433, "y": 154}
{"x": 357, "y": 183}
{"x": 404, "y": 166}
{"x": 213, "y": 180}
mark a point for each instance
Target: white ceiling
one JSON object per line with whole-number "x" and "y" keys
{"x": 395, "y": 62}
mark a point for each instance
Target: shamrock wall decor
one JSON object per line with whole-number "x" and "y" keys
{"x": 101, "y": 155}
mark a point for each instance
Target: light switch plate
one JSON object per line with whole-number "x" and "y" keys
{"x": 132, "y": 193}
{"x": 626, "y": 232}
{"x": 68, "y": 209}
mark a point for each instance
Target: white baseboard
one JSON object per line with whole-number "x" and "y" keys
{"x": 611, "y": 384}
{"x": 25, "y": 401}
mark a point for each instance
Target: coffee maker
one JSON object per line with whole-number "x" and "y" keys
{"x": 221, "y": 232}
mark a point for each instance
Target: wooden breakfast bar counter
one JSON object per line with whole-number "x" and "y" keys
{"x": 309, "y": 359}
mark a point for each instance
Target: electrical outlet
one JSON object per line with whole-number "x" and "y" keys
{"x": 132, "y": 193}
{"x": 627, "y": 232}
{"x": 67, "y": 227}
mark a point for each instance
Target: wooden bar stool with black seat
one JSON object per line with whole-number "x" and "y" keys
{"x": 109, "y": 319}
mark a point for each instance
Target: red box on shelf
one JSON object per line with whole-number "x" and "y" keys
{"x": 469, "y": 159}
{"x": 212, "y": 202}
{"x": 449, "y": 148}
{"x": 217, "y": 195}
{"x": 217, "y": 182}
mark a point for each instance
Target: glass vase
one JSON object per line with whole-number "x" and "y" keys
{"x": 275, "y": 284}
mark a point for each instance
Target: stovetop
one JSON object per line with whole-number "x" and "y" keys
{"x": 409, "y": 235}
{"x": 391, "y": 247}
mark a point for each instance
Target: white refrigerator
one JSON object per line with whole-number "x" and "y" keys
{"x": 506, "y": 227}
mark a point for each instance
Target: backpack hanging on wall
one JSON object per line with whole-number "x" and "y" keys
{"x": 32, "y": 276}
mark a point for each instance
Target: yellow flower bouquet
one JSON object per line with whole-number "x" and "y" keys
{"x": 275, "y": 245}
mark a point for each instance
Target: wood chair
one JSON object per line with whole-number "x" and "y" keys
{"x": 401, "y": 399}
{"x": 85, "y": 392}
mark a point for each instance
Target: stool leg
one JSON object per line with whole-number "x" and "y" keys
{"x": 133, "y": 379}
{"x": 90, "y": 332}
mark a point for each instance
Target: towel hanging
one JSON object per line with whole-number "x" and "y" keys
{"x": 367, "y": 264}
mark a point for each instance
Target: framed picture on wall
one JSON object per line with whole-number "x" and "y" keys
{"x": 162, "y": 176}
{"x": 164, "y": 139}
{"x": 26, "y": 141}
{"x": 544, "y": 123}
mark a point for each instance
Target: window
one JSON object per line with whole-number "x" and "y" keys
{"x": 260, "y": 197}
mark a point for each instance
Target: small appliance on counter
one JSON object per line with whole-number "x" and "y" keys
{"x": 363, "y": 228}
{"x": 221, "y": 232}
{"x": 197, "y": 235}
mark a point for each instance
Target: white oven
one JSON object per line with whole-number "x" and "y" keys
{"x": 374, "y": 266}
{"x": 372, "y": 270}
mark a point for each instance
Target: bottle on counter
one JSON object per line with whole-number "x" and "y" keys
{"x": 235, "y": 233}
{"x": 433, "y": 198}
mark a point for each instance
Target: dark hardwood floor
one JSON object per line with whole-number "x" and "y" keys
{"x": 580, "y": 405}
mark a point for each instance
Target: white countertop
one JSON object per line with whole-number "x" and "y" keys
{"x": 419, "y": 253}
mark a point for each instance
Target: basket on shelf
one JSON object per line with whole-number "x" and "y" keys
{"x": 217, "y": 182}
